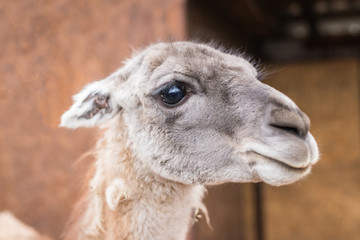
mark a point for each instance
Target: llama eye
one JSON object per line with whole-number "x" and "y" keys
{"x": 173, "y": 94}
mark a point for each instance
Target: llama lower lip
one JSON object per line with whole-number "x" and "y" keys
{"x": 283, "y": 164}
{"x": 298, "y": 169}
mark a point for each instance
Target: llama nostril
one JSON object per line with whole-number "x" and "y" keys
{"x": 292, "y": 130}
{"x": 290, "y": 120}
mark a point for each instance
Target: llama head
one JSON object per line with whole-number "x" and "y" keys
{"x": 195, "y": 114}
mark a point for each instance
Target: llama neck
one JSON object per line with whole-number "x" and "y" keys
{"x": 126, "y": 201}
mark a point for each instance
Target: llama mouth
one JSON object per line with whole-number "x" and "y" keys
{"x": 274, "y": 171}
{"x": 279, "y": 162}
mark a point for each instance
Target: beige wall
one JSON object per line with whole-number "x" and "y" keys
{"x": 49, "y": 49}
{"x": 326, "y": 205}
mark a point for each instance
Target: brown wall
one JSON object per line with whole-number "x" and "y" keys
{"x": 49, "y": 49}
{"x": 232, "y": 214}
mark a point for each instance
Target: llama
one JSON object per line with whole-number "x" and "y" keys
{"x": 176, "y": 118}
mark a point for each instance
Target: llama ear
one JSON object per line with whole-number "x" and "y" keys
{"x": 93, "y": 105}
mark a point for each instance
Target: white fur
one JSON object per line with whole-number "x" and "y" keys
{"x": 115, "y": 193}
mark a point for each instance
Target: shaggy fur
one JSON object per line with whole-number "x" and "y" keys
{"x": 153, "y": 160}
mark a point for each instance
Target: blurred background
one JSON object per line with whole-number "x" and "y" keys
{"x": 50, "y": 49}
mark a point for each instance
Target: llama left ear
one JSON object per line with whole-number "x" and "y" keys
{"x": 93, "y": 105}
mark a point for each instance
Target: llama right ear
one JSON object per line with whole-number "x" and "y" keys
{"x": 93, "y": 105}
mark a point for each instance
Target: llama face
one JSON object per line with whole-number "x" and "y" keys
{"x": 197, "y": 115}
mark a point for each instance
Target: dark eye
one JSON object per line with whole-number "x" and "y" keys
{"x": 173, "y": 94}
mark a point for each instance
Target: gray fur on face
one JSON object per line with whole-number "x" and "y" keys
{"x": 229, "y": 127}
